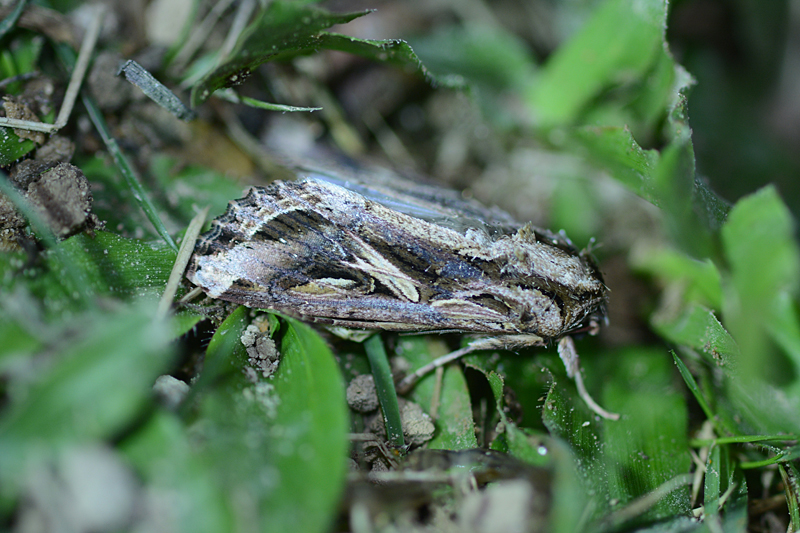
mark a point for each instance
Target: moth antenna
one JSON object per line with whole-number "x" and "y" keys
{"x": 569, "y": 355}
{"x": 566, "y": 350}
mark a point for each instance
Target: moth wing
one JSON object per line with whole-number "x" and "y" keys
{"x": 316, "y": 251}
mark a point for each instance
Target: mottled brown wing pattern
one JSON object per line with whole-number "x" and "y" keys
{"x": 318, "y": 251}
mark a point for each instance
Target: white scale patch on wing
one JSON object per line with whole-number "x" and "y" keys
{"x": 368, "y": 260}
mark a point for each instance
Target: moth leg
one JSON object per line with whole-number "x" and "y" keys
{"x": 502, "y": 342}
{"x": 566, "y": 350}
{"x": 568, "y": 354}
{"x": 408, "y": 382}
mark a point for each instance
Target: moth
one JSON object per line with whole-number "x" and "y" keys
{"x": 391, "y": 254}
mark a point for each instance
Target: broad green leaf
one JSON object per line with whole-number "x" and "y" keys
{"x": 455, "y": 427}
{"x": 625, "y": 459}
{"x": 311, "y": 425}
{"x": 674, "y": 186}
{"x": 698, "y": 327}
{"x": 280, "y": 443}
{"x": 184, "y": 321}
{"x": 615, "y": 149}
{"x": 12, "y": 147}
{"x": 93, "y": 382}
{"x": 121, "y": 267}
{"x": 280, "y": 31}
{"x": 621, "y": 42}
{"x": 288, "y": 29}
{"x": 785, "y": 329}
{"x": 169, "y": 462}
{"x": 225, "y": 356}
{"x": 756, "y": 406}
{"x": 454, "y": 415}
{"x": 699, "y": 280}
{"x": 107, "y": 264}
{"x": 758, "y": 240}
{"x": 391, "y": 51}
{"x": 485, "y": 56}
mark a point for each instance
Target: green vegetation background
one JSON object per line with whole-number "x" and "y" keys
{"x": 713, "y": 383}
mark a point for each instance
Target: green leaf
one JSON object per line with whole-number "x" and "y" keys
{"x": 391, "y": 51}
{"x": 282, "y": 442}
{"x": 107, "y": 265}
{"x": 615, "y": 149}
{"x": 699, "y": 280}
{"x": 92, "y": 383}
{"x": 281, "y": 31}
{"x": 757, "y": 406}
{"x": 12, "y": 147}
{"x": 225, "y": 355}
{"x": 697, "y": 327}
{"x": 486, "y": 56}
{"x": 121, "y": 267}
{"x": 288, "y": 29}
{"x": 455, "y": 427}
{"x": 312, "y": 424}
{"x": 169, "y": 462}
{"x": 674, "y": 182}
{"x": 785, "y": 330}
{"x": 758, "y": 240}
{"x": 621, "y": 42}
{"x": 721, "y": 476}
{"x": 625, "y": 459}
